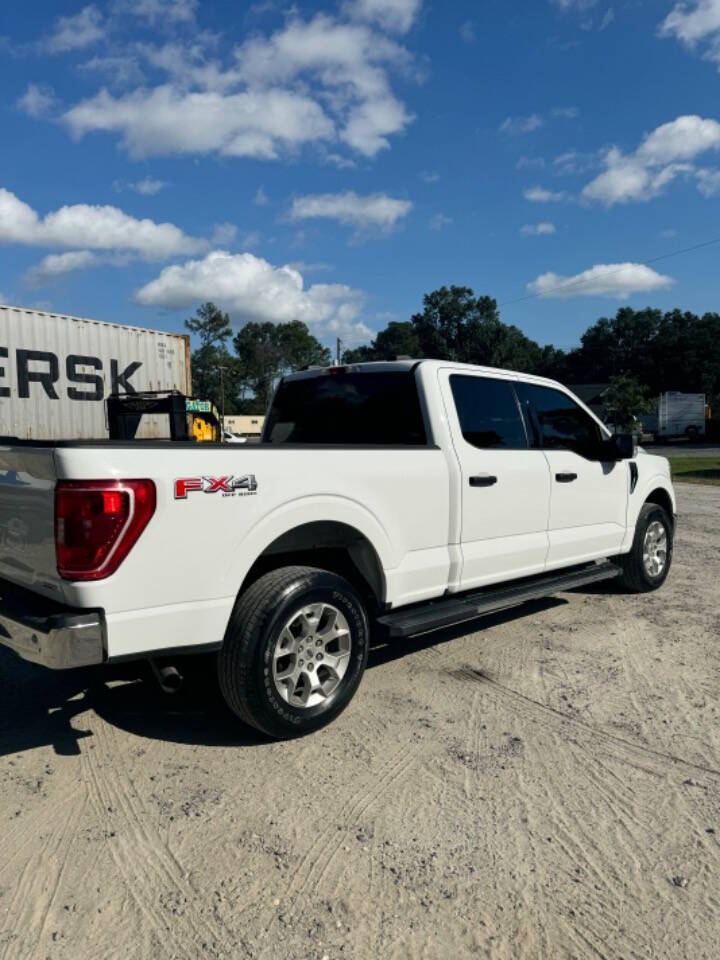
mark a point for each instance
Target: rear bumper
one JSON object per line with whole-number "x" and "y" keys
{"x": 48, "y": 633}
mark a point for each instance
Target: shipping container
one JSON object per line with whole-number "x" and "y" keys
{"x": 246, "y": 426}
{"x": 56, "y": 372}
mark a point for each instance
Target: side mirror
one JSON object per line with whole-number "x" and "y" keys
{"x": 624, "y": 446}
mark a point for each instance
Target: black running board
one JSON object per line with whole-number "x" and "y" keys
{"x": 408, "y": 621}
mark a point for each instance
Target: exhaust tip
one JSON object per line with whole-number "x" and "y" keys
{"x": 169, "y": 678}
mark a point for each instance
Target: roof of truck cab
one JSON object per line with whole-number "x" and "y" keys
{"x": 388, "y": 366}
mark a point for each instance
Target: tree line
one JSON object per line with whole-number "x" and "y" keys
{"x": 642, "y": 353}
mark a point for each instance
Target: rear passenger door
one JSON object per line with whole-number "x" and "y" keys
{"x": 588, "y": 504}
{"x": 505, "y": 484}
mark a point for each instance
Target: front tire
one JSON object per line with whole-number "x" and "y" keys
{"x": 294, "y": 651}
{"x": 647, "y": 565}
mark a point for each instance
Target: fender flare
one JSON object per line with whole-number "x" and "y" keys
{"x": 658, "y": 481}
{"x": 297, "y": 513}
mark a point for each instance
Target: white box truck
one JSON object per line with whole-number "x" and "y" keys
{"x": 677, "y": 415}
{"x": 56, "y": 372}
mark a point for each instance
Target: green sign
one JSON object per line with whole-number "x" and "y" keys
{"x": 198, "y": 406}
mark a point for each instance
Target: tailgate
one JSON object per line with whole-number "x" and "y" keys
{"x": 27, "y": 511}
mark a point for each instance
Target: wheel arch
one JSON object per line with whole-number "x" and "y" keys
{"x": 331, "y": 545}
{"x": 656, "y": 489}
{"x": 662, "y": 498}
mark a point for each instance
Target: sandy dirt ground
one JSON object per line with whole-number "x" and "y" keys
{"x": 546, "y": 787}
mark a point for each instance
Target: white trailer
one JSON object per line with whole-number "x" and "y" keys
{"x": 677, "y": 415}
{"x": 56, "y": 372}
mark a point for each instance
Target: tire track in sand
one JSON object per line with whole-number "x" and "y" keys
{"x": 547, "y": 712}
{"x": 317, "y": 862}
{"x": 38, "y": 886}
{"x": 147, "y": 866}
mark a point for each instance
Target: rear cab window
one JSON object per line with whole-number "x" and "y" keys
{"x": 345, "y": 407}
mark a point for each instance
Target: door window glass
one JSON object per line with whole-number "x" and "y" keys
{"x": 562, "y": 424}
{"x": 488, "y": 413}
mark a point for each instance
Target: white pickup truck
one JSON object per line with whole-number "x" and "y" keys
{"x": 398, "y": 497}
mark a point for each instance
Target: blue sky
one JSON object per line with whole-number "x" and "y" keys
{"x": 332, "y": 162}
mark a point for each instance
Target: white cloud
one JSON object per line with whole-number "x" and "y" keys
{"x": 57, "y": 265}
{"x": 574, "y": 162}
{"x": 376, "y": 210}
{"x": 607, "y": 20}
{"x": 530, "y": 163}
{"x": 339, "y": 161}
{"x": 148, "y": 186}
{"x": 319, "y": 266}
{"x": 692, "y": 25}
{"x": 439, "y": 221}
{"x": 320, "y": 81}
{"x": 257, "y": 124}
{"x": 564, "y": 113}
{"x": 187, "y": 64}
{"x": 682, "y": 139}
{"x": 541, "y": 195}
{"x": 223, "y": 234}
{"x": 91, "y": 227}
{"x": 668, "y": 234}
{"x": 708, "y": 182}
{"x": 544, "y": 229}
{"x": 430, "y": 176}
{"x": 517, "y": 125}
{"x": 254, "y": 290}
{"x": 603, "y": 280}
{"x": 348, "y": 60}
{"x": 76, "y": 32}
{"x": 396, "y": 15}
{"x": 575, "y": 4}
{"x": 467, "y": 32}
{"x": 121, "y": 69}
{"x": 162, "y": 11}
{"x": 249, "y": 239}
{"x": 38, "y": 100}
{"x": 261, "y": 198}
{"x": 663, "y": 155}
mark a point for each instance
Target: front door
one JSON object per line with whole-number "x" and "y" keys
{"x": 505, "y": 491}
{"x": 588, "y": 505}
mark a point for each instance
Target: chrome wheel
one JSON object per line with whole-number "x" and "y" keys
{"x": 311, "y": 655}
{"x": 655, "y": 549}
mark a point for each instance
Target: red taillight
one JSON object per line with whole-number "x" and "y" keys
{"x": 97, "y": 522}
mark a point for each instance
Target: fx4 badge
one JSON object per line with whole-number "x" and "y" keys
{"x": 227, "y": 486}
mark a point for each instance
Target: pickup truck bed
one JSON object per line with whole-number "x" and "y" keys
{"x": 484, "y": 488}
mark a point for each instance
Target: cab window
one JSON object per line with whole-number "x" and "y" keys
{"x": 488, "y": 413}
{"x": 560, "y": 424}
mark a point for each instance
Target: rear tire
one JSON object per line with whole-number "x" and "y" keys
{"x": 294, "y": 651}
{"x": 647, "y": 565}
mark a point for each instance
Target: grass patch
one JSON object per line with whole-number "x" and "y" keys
{"x": 696, "y": 469}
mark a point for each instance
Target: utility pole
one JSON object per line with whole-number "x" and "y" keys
{"x": 338, "y": 351}
{"x": 222, "y": 395}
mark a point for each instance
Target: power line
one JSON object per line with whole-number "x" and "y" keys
{"x": 578, "y": 283}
